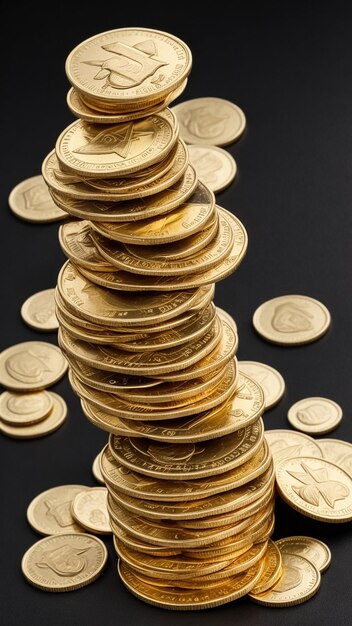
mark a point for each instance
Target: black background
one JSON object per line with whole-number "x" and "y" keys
{"x": 288, "y": 65}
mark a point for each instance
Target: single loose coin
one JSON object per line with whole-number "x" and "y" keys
{"x": 310, "y": 548}
{"x": 214, "y": 166}
{"x": 31, "y": 201}
{"x": 270, "y": 380}
{"x": 38, "y": 311}
{"x": 291, "y": 320}
{"x": 316, "y": 488}
{"x": 96, "y": 469}
{"x": 213, "y": 121}
{"x": 337, "y": 451}
{"x": 315, "y": 415}
{"x": 55, "y": 419}
{"x": 285, "y": 444}
{"x": 129, "y": 65}
{"x": 90, "y": 511}
{"x": 31, "y": 365}
{"x": 50, "y": 512}
{"x": 24, "y": 409}
{"x": 271, "y": 571}
{"x": 64, "y": 562}
{"x": 299, "y": 581}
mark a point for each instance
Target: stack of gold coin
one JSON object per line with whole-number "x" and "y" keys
{"x": 189, "y": 475}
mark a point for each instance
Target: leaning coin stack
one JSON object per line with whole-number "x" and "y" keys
{"x": 189, "y": 475}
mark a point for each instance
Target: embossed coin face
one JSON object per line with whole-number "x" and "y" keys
{"x": 299, "y": 581}
{"x": 31, "y": 201}
{"x": 50, "y": 512}
{"x": 38, "y": 311}
{"x": 337, "y": 451}
{"x": 315, "y": 415}
{"x": 89, "y": 510}
{"x": 213, "y": 121}
{"x": 96, "y": 469}
{"x": 128, "y": 65}
{"x": 316, "y": 487}
{"x": 270, "y": 380}
{"x": 291, "y": 320}
{"x": 285, "y": 444}
{"x": 49, "y": 424}
{"x": 114, "y": 150}
{"x": 31, "y": 365}
{"x": 310, "y": 548}
{"x": 215, "y": 167}
{"x": 64, "y": 562}
{"x": 23, "y": 409}
{"x": 78, "y": 246}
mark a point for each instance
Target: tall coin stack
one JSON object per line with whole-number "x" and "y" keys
{"x": 189, "y": 474}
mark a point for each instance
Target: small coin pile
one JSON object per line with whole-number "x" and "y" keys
{"x": 189, "y": 475}
{"x": 27, "y": 410}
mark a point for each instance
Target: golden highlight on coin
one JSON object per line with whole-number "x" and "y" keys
{"x": 49, "y": 513}
{"x": 310, "y": 548}
{"x": 270, "y": 379}
{"x": 215, "y": 167}
{"x": 55, "y": 418}
{"x": 38, "y": 311}
{"x": 315, "y": 416}
{"x": 30, "y": 200}
{"x": 31, "y": 365}
{"x": 90, "y": 511}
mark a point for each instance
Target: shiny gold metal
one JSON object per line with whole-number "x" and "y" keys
{"x": 315, "y": 416}
{"x": 310, "y": 548}
{"x": 24, "y": 409}
{"x": 52, "y": 422}
{"x": 215, "y": 167}
{"x": 89, "y": 510}
{"x": 38, "y": 311}
{"x": 31, "y": 365}
{"x": 270, "y": 379}
{"x": 50, "y": 512}
{"x": 30, "y": 200}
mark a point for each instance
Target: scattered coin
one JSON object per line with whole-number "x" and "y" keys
{"x": 49, "y": 424}
{"x": 49, "y": 513}
{"x": 31, "y": 201}
{"x": 291, "y": 320}
{"x": 64, "y": 562}
{"x": 90, "y": 511}
{"x": 310, "y": 548}
{"x": 299, "y": 581}
{"x": 285, "y": 444}
{"x": 96, "y": 469}
{"x": 316, "y": 488}
{"x": 31, "y": 365}
{"x": 315, "y": 415}
{"x": 215, "y": 167}
{"x": 213, "y": 121}
{"x": 38, "y": 311}
{"x": 337, "y": 451}
{"x": 270, "y": 380}
{"x": 24, "y": 409}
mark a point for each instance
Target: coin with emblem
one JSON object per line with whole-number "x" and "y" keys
{"x": 269, "y": 378}
{"x": 285, "y": 444}
{"x": 314, "y": 550}
{"x": 337, "y": 451}
{"x": 89, "y": 510}
{"x": 49, "y": 513}
{"x": 24, "y": 409}
{"x": 56, "y": 418}
{"x": 38, "y": 311}
{"x": 64, "y": 562}
{"x": 215, "y": 167}
{"x": 315, "y": 415}
{"x": 291, "y": 320}
{"x": 31, "y": 365}
{"x": 31, "y": 201}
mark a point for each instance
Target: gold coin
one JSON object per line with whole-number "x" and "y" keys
{"x": 108, "y": 381}
{"x": 111, "y": 309}
{"x": 64, "y": 562}
{"x": 299, "y": 581}
{"x": 232, "y": 588}
{"x": 38, "y": 311}
{"x": 310, "y": 548}
{"x": 115, "y": 150}
{"x": 79, "y": 108}
{"x": 108, "y": 358}
{"x": 121, "y": 536}
{"x": 239, "y": 564}
{"x": 210, "y": 121}
{"x": 24, "y": 409}
{"x": 229, "y": 319}
{"x": 183, "y": 221}
{"x": 96, "y": 471}
{"x": 337, "y": 451}
{"x": 50, "y": 512}
{"x": 285, "y": 444}
{"x": 30, "y": 200}
{"x": 107, "y": 210}
{"x": 77, "y": 244}
{"x": 181, "y": 461}
{"x": 55, "y": 419}
{"x": 135, "y": 484}
{"x": 197, "y": 509}
{"x": 272, "y": 569}
{"x": 270, "y": 380}
{"x": 31, "y": 365}
{"x": 315, "y": 415}
{"x": 316, "y": 488}
{"x": 291, "y": 320}
{"x": 161, "y": 63}
{"x": 207, "y": 257}
{"x": 215, "y": 167}
{"x": 89, "y": 510}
